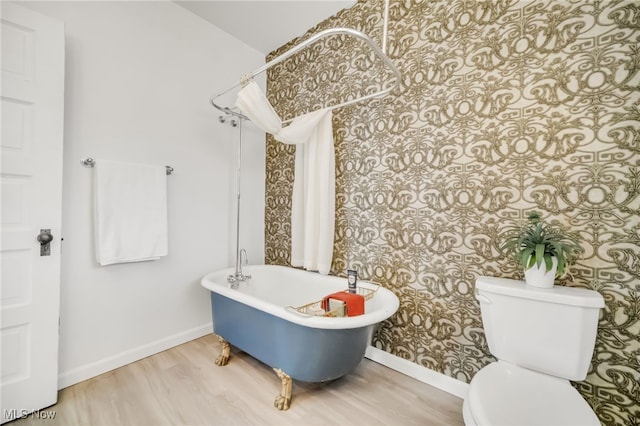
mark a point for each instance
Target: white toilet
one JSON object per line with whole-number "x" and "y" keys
{"x": 542, "y": 338}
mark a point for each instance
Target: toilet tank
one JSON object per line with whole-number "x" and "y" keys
{"x": 552, "y": 331}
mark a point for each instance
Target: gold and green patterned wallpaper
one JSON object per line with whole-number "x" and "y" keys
{"x": 504, "y": 106}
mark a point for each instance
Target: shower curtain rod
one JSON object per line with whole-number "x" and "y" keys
{"x": 307, "y": 42}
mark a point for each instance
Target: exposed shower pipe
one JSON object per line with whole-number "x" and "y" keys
{"x": 238, "y": 276}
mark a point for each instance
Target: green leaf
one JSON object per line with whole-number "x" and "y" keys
{"x": 526, "y": 258}
{"x": 539, "y": 254}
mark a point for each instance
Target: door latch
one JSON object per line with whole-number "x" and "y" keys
{"x": 44, "y": 238}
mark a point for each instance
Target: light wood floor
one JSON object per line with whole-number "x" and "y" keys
{"x": 183, "y": 386}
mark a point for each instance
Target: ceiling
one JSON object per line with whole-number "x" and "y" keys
{"x": 265, "y": 25}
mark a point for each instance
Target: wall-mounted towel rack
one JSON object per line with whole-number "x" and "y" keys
{"x": 90, "y": 162}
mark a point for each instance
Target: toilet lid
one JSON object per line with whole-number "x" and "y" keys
{"x": 503, "y": 394}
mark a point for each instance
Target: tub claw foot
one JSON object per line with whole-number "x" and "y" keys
{"x": 283, "y": 401}
{"x": 223, "y": 358}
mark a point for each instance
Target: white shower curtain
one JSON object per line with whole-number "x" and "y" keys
{"x": 313, "y": 200}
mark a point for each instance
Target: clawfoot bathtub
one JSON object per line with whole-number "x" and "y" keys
{"x": 257, "y": 317}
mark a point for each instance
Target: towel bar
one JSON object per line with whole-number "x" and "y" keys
{"x": 90, "y": 162}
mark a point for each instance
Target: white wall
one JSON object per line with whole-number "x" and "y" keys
{"x": 138, "y": 79}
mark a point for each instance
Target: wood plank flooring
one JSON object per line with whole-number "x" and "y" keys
{"x": 183, "y": 386}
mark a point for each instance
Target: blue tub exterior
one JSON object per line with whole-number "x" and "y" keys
{"x": 304, "y": 353}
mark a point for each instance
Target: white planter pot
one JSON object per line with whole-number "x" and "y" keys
{"x": 537, "y": 276}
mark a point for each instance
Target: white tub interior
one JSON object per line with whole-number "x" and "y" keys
{"x": 274, "y": 288}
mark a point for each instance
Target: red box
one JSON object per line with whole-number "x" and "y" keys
{"x": 353, "y": 302}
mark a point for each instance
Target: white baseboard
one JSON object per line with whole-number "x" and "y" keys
{"x": 411, "y": 369}
{"x": 96, "y": 368}
{"x": 418, "y": 372}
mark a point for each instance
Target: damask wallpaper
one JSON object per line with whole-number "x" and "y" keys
{"x": 504, "y": 106}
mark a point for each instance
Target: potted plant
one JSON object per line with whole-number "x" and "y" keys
{"x": 544, "y": 250}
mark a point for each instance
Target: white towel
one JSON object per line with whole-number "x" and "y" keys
{"x": 130, "y": 207}
{"x": 313, "y": 199}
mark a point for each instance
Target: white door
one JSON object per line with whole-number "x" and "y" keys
{"x": 31, "y": 195}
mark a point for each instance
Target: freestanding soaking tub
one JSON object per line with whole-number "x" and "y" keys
{"x": 258, "y": 316}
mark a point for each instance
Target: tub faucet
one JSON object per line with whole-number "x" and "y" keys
{"x": 238, "y": 277}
